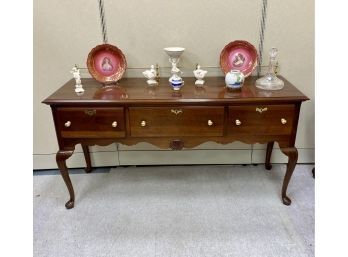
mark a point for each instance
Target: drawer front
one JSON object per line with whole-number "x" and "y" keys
{"x": 261, "y": 120}
{"x": 176, "y": 121}
{"x": 91, "y": 122}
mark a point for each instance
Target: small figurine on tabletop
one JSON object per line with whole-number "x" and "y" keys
{"x": 199, "y": 75}
{"x": 151, "y": 76}
{"x": 76, "y": 74}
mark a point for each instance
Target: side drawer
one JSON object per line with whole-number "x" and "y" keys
{"x": 176, "y": 121}
{"x": 261, "y": 119}
{"x": 97, "y": 122}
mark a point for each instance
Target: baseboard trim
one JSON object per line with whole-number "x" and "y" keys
{"x": 158, "y": 157}
{"x": 77, "y": 160}
{"x": 305, "y": 155}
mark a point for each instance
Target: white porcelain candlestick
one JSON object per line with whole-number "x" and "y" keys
{"x": 76, "y": 74}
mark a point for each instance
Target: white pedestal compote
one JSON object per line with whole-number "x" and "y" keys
{"x": 174, "y": 54}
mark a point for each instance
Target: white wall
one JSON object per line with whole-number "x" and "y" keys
{"x": 65, "y": 32}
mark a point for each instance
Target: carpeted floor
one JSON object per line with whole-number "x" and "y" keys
{"x": 169, "y": 211}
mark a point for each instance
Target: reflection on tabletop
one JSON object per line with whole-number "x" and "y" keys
{"x": 110, "y": 92}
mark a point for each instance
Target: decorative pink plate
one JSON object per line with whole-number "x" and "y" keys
{"x": 238, "y": 55}
{"x": 106, "y": 63}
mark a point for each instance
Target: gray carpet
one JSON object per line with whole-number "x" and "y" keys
{"x": 168, "y": 211}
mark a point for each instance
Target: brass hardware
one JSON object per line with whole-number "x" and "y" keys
{"x": 283, "y": 121}
{"x": 176, "y": 111}
{"x": 157, "y": 72}
{"x": 276, "y": 68}
{"x": 90, "y": 112}
{"x": 67, "y": 124}
{"x": 143, "y": 123}
{"x": 210, "y": 123}
{"x": 238, "y": 122}
{"x": 261, "y": 110}
{"x": 114, "y": 124}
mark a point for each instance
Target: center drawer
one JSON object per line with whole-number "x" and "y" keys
{"x": 176, "y": 121}
{"x": 100, "y": 122}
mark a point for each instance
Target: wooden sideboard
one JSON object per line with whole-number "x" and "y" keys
{"x": 132, "y": 112}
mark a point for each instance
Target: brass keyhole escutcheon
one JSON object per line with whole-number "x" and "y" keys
{"x": 90, "y": 112}
{"x": 176, "y": 111}
{"x": 261, "y": 110}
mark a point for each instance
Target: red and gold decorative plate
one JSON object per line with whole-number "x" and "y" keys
{"x": 238, "y": 55}
{"x": 106, "y": 63}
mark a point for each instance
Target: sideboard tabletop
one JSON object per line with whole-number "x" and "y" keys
{"x": 135, "y": 91}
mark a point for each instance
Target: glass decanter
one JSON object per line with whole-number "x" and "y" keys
{"x": 270, "y": 81}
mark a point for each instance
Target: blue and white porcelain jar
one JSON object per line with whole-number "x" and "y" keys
{"x": 176, "y": 82}
{"x": 234, "y": 79}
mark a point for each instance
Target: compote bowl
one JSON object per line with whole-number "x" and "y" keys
{"x": 174, "y": 57}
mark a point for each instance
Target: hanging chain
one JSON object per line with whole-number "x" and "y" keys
{"x": 262, "y": 34}
{"x": 102, "y": 21}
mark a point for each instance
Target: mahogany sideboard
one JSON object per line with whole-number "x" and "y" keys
{"x": 131, "y": 112}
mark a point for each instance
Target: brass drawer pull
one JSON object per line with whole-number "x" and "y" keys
{"x": 210, "y": 123}
{"x": 176, "y": 111}
{"x": 67, "y": 124}
{"x": 143, "y": 123}
{"x": 90, "y": 112}
{"x": 283, "y": 121}
{"x": 261, "y": 110}
{"x": 238, "y": 122}
{"x": 114, "y": 124}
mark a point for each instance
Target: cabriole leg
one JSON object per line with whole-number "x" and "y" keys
{"x": 85, "y": 149}
{"x": 291, "y": 152}
{"x": 61, "y": 158}
{"x": 268, "y": 164}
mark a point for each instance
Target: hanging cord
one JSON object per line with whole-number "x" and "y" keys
{"x": 262, "y": 34}
{"x": 102, "y": 21}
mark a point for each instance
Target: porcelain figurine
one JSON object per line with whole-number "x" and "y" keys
{"x": 234, "y": 79}
{"x": 151, "y": 76}
{"x": 199, "y": 75}
{"x": 76, "y": 74}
